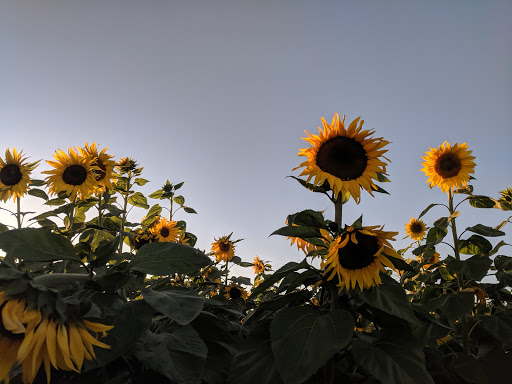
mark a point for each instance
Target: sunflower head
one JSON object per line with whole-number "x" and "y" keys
{"x": 223, "y": 249}
{"x": 448, "y": 167}
{"x": 234, "y": 292}
{"x": 126, "y": 164}
{"x": 348, "y": 159}
{"x": 14, "y": 174}
{"x": 72, "y": 174}
{"x": 102, "y": 165}
{"x": 258, "y": 266}
{"x": 506, "y": 199}
{"x": 415, "y": 229}
{"x": 358, "y": 255}
{"x": 166, "y": 231}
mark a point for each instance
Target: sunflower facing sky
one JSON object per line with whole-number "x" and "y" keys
{"x": 415, "y": 229}
{"x": 14, "y": 175}
{"x": 448, "y": 167}
{"x": 358, "y": 256}
{"x": 166, "y": 231}
{"x": 223, "y": 249}
{"x": 102, "y": 163}
{"x": 348, "y": 159}
{"x": 72, "y": 173}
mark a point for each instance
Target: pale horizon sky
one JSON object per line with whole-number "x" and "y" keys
{"x": 218, "y": 94}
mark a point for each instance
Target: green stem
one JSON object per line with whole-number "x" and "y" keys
{"x": 460, "y": 277}
{"x": 18, "y": 211}
{"x": 338, "y": 213}
{"x": 100, "y": 217}
{"x": 170, "y": 210}
{"x": 227, "y": 273}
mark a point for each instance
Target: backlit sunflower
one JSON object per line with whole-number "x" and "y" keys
{"x": 234, "y": 291}
{"x": 126, "y": 164}
{"x": 348, "y": 159}
{"x": 357, "y": 256}
{"x": 223, "y": 249}
{"x": 72, "y": 174}
{"x": 258, "y": 266}
{"x": 166, "y": 231}
{"x": 448, "y": 166}
{"x": 102, "y": 163}
{"x": 415, "y": 229}
{"x": 14, "y": 175}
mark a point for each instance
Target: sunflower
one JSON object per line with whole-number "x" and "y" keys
{"x": 223, "y": 249}
{"x": 126, "y": 164}
{"x": 358, "y": 255}
{"x": 72, "y": 174}
{"x": 143, "y": 238}
{"x": 258, "y": 266}
{"x": 234, "y": 291}
{"x": 348, "y": 159}
{"x": 430, "y": 260}
{"x": 102, "y": 163}
{"x": 166, "y": 231}
{"x": 415, "y": 229}
{"x": 14, "y": 175}
{"x": 506, "y": 199}
{"x": 448, "y": 166}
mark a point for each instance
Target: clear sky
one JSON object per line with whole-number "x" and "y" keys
{"x": 218, "y": 94}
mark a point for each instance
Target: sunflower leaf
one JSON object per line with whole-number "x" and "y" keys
{"x": 468, "y": 190}
{"x": 427, "y": 209}
{"x": 38, "y": 193}
{"x": 304, "y": 339}
{"x": 138, "y": 200}
{"x": 179, "y": 200}
{"x": 307, "y": 218}
{"x": 453, "y": 305}
{"x": 485, "y": 231}
{"x": 279, "y": 274}
{"x": 310, "y": 186}
{"x": 189, "y": 210}
{"x": 479, "y": 201}
{"x": 475, "y": 245}
{"x": 476, "y": 267}
{"x": 302, "y": 232}
{"x": 140, "y": 181}
{"x": 435, "y": 235}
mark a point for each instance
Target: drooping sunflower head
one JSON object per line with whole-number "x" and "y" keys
{"x": 14, "y": 175}
{"x": 72, "y": 173}
{"x": 102, "y": 164}
{"x": 223, "y": 249}
{"x": 415, "y": 229}
{"x": 348, "y": 159}
{"x": 235, "y": 291}
{"x": 448, "y": 167}
{"x": 258, "y": 266}
{"x": 166, "y": 231}
{"x": 357, "y": 256}
{"x": 126, "y": 164}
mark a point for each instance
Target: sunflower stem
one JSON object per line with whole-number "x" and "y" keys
{"x": 100, "y": 218}
{"x": 338, "y": 212}
{"x": 125, "y": 213}
{"x": 18, "y": 211}
{"x": 460, "y": 277}
{"x": 227, "y": 273}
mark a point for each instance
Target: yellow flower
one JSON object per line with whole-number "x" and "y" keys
{"x": 72, "y": 174}
{"x": 166, "y": 231}
{"x": 415, "y": 229}
{"x": 358, "y": 256}
{"x": 126, "y": 164}
{"x": 102, "y": 163}
{"x": 14, "y": 175}
{"x": 258, "y": 266}
{"x": 223, "y": 249}
{"x": 234, "y": 291}
{"x": 348, "y": 159}
{"x": 448, "y": 166}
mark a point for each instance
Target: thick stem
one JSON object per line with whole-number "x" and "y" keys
{"x": 338, "y": 211}
{"x": 123, "y": 220}
{"x": 460, "y": 277}
{"x": 226, "y": 272}
{"x": 100, "y": 216}
{"x": 18, "y": 211}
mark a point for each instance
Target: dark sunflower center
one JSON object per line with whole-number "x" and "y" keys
{"x": 224, "y": 247}
{"x": 74, "y": 175}
{"x": 416, "y": 228}
{"x": 10, "y": 175}
{"x": 235, "y": 293}
{"x": 100, "y": 172}
{"x": 164, "y": 232}
{"x": 342, "y": 157}
{"x": 448, "y": 165}
{"x": 360, "y": 255}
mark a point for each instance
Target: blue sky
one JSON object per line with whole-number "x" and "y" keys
{"x": 218, "y": 94}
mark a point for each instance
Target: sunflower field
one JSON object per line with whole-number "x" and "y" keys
{"x": 86, "y": 295}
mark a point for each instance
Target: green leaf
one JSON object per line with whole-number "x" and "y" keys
{"x": 307, "y": 218}
{"x": 36, "y": 244}
{"x": 442, "y": 222}
{"x": 468, "y": 190}
{"x": 475, "y": 245}
{"x": 240, "y": 280}
{"x": 310, "y": 186}
{"x": 178, "y": 186}
{"x": 427, "y": 209}
{"x": 105, "y": 251}
{"x": 3, "y": 227}
{"x": 52, "y": 280}
{"x": 445, "y": 274}
{"x": 296, "y": 280}
{"x": 304, "y": 339}
{"x": 479, "y": 201}
{"x": 499, "y": 326}
{"x": 38, "y": 193}
{"x": 157, "y": 194}
{"x": 435, "y": 235}
{"x": 485, "y": 231}
{"x": 453, "y": 305}
{"x": 179, "y": 200}
{"x": 138, "y": 200}
{"x": 179, "y": 304}
{"x": 162, "y": 259}
{"x": 497, "y": 247}
{"x": 140, "y": 181}
{"x": 401, "y": 265}
{"x": 189, "y": 210}
{"x": 503, "y": 262}
{"x": 302, "y": 232}
{"x": 476, "y": 267}
{"x": 57, "y": 201}
{"x": 279, "y": 274}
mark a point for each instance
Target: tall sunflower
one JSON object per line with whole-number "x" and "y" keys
{"x": 348, "y": 159}
{"x": 223, "y": 249}
{"x": 14, "y": 175}
{"x": 72, "y": 174}
{"x": 166, "y": 231}
{"x": 102, "y": 163}
{"x": 357, "y": 256}
{"x": 415, "y": 229}
{"x": 448, "y": 167}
